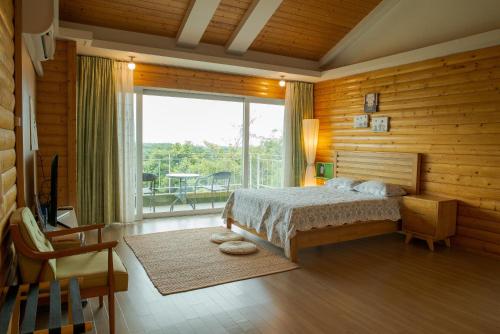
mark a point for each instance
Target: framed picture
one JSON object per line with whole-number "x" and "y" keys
{"x": 324, "y": 170}
{"x": 380, "y": 124}
{"x": 371, "y": 102}
{"x": 361, "y": 121}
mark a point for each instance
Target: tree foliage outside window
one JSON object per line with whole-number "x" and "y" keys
{"x": 265, "y": 162}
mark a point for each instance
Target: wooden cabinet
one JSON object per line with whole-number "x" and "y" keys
{"x": 320, "y": 181}
{"x": 431, "y": 218}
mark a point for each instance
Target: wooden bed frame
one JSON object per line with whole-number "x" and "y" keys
{"x": 402, "y": 169}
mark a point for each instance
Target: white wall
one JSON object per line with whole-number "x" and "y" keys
{"x": 413, "y": 24}
{"x": 28, "y": 89}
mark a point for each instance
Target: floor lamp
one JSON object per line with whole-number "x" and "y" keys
{"x": 310, "y": 129}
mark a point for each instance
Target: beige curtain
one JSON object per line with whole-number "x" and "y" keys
{"x": 96, "y": 141}
{"x": 298, "y": 106}
{"x": 127, "y": 148}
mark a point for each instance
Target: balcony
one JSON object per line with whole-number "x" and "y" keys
{"x": 165, "y": 194}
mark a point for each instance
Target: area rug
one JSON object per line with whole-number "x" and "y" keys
{"x": 185, "y": 260}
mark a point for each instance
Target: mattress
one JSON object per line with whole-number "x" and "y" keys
{"x": 280, "y": 213}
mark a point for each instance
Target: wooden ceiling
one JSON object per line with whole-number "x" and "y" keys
{"x": 225, "y": 21}
{"x": 157, "y": 17}
{"x": 304, "y": 29}
{"x": 308, "y": 29}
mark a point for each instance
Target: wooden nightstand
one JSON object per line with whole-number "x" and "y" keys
{"x": 427, "y": 217}
{"x": 320, "y": 181}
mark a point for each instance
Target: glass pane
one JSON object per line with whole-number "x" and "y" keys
{"x": 192, "y": 152}
{"x": 266, "y": 145}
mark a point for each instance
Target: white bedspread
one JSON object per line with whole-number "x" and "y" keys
{"x": 282, "y": 212}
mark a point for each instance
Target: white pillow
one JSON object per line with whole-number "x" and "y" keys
{"x": 343, "y": 183}
{"x": 380, "y": 189}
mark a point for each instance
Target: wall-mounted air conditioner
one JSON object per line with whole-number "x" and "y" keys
{"x": 40, "y": 23}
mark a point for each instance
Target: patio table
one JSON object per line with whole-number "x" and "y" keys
{"x": 181, "y": 195}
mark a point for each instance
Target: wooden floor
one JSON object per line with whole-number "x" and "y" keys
{"x": 376, "y": 285}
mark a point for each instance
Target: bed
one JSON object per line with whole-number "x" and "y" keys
{"x": 297, "y": 218}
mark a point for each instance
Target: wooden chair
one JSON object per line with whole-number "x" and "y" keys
{"x": 151, "y": 190}
{"x": 100, "y": 267}
{"x": 57, "y": 292}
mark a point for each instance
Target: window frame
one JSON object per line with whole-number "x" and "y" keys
{"x": 153, "y": 91}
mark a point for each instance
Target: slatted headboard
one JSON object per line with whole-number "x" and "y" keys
{"x": 402, "y": 169}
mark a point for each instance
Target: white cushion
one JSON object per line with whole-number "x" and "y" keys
{"x": 380, "y": 189}
{"x": 238, "y": 247}
{"x": 342, "y": 183}
{"x": 221, "y": 237}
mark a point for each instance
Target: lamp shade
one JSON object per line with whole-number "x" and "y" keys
{"x": 310, "y": 129}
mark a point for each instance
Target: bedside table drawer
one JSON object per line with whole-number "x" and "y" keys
{"x": 425, "y": 208}
{"x": 418, "y": 223}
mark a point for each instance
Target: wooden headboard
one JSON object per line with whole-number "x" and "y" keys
{"x": 402, "y": 169}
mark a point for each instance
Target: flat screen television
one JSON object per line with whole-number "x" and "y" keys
{"x": 52, "y": 205}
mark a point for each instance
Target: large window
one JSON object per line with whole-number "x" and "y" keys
{"x": 197, "y": 149}
{"x": 266, "y": 145}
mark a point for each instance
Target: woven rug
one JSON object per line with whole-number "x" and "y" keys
{"x": 185, "y": 260}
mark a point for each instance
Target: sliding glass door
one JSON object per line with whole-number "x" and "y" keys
{"x": 196, "y": 149}
{"x": 265, "y": 145}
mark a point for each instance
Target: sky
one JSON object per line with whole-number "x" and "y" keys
{"x": 178, "y": 120}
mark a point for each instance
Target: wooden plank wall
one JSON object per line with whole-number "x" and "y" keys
{"x": 202, "y": 81}
{"x": 446, "y": 108}
{"x": 8, "y": 190}
{"x": 56, "y": 121}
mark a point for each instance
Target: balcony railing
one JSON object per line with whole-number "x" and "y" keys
{"x": 265, "y": 171}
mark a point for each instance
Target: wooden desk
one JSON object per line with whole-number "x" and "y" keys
{"x": 67, "y": 217}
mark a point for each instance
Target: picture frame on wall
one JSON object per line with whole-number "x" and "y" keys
{"x": 371, "y": 102}
{"x": 361, "y": 121}
{"x": 324, "y": 170}
{"x": 380, "y": 124}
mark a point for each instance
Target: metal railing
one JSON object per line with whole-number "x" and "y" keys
{"x": 266, "y": 171}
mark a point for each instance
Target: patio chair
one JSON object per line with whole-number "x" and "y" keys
{"x": 100, "y": 267}
{"x": 215, "y": 183}
{"x": 151, "y": 190}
